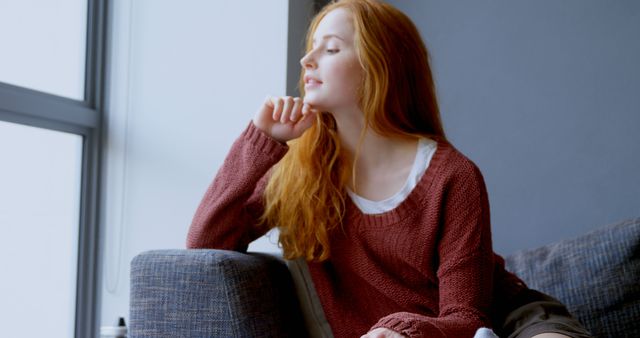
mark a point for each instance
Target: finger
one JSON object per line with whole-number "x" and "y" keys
{"x": 286, "y": 110}
{"x": 267, "y": 101}
{"x": 305, "y": 109}
{"x": 310, "y": 109}
{"x": 266, "y": 109}
{"x": 277, "y": 109}
{"x": 306, "y": 114}
{"x": 306, "y": 122}
{"x": 295, "y": 111}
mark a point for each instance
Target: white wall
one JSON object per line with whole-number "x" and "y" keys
{"x": 186, "y": 78}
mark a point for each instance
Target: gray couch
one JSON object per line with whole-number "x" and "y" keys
{"x": 215, "y": 293}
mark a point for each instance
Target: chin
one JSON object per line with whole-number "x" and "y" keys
{"x": 314, "y": 101}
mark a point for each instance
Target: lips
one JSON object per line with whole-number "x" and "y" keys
{"x": 311, "y": 80}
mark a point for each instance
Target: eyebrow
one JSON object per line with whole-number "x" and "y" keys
{"x": 328, "y": 36}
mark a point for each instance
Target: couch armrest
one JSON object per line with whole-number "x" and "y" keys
{"x": 596, "y": 275}
{"x": 212, "y": 293}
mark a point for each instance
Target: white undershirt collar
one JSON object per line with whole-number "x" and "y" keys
{"x": 426, "y": 149}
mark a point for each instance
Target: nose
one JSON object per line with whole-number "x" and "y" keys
{"x": 307, "y": 61}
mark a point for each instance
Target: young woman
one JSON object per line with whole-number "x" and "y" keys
{"x": 362, "y": 183}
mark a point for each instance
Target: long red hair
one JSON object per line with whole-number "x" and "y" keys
{"x": 305, "y": 195}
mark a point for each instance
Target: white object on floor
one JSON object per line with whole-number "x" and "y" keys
{"x": 484, "y": 332}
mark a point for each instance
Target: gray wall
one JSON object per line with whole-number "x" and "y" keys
{"x": 299, "y": 16}
{"x": 544, "y": 96}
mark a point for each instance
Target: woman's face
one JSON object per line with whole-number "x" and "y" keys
{"x": 333, "y": 62}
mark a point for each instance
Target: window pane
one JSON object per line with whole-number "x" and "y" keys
{"x": 40, "y": 174}
{"x": 43, "y": 45}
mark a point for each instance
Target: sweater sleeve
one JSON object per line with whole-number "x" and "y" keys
{"x": 228, "y": 214}
{"x": 465, "y": 264}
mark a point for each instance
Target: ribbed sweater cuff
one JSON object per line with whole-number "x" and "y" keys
{"x": 399, "y": 325}
{"x": 264, "y": 142}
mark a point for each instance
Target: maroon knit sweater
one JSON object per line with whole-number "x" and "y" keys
{"x": 425, "y": 268}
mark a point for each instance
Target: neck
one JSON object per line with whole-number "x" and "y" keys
{"x": 377, "y": 154}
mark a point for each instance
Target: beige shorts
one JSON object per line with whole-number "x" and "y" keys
{"x": 540, "y": 313}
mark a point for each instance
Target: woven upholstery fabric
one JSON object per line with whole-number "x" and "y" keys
{"x": 597, "y": 275}
{"x": 212, "y": 293}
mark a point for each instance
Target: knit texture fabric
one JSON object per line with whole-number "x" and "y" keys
{"x": 424, "y": 269}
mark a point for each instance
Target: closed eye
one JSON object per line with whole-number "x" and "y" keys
{"x": 332, "y": 51}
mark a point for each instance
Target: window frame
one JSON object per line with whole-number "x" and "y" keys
{"x": 86, "y": 118}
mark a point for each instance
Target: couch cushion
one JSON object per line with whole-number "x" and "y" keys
{"x": 596, "y": 275}
{"x": 212, "y": 293}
